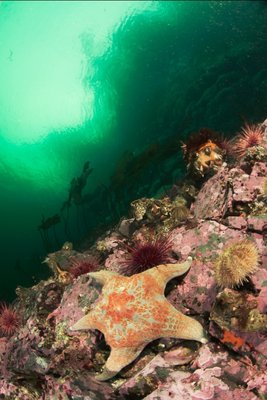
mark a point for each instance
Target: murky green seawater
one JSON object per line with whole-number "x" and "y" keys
{"x": 103, "y": 81}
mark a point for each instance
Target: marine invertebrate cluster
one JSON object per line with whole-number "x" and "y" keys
{"x": 9, "y": 320}
{"x": 250, "y": 136}
{"x": 235, "y": 263}
{"x": 180, "y": 211}
{"x": 163, "y": 214}
{"x": 204, "y": 151}
{"x": 144, "y": 255}
{"x": 134, "y": 311}
{"x": 151, "y": 209}
{"x": 238, "y": 311}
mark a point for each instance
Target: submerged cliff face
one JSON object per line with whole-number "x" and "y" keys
{"x": 119, "y": 88}
{"x": 219, "y": 221}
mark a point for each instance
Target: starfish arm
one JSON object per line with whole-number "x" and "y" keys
{"x": 165, "y": 272}
{"x": 182, "y": 327}
{"x": 118, "y": 359}
{"x": 85, "y": 322}
{"x": 103, "y": 276}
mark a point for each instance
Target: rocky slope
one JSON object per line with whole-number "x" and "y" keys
{"x": 43, "y": 359}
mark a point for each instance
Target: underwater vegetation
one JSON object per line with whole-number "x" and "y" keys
{"x": 204, "y": 153}
{"x": 236, "y": 263}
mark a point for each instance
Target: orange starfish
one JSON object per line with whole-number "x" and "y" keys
{"x": 133, "y": 311}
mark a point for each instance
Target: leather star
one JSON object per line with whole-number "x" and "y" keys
{"x": 133, "y": 311}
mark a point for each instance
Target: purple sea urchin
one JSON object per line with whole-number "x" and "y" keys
{"x": 81, "y": 267}
{"x": 9, "y": 320}
{"x": 143, "y": 256}
{"x": 235, "y": 263}
{"x": 250, "y": 136}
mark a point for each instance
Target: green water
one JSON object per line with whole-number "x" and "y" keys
{"x": 103, "y": 81}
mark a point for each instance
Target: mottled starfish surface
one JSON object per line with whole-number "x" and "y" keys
{"x": 133, "y": 311}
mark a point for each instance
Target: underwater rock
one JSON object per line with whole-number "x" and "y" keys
{"x": 155, "y": 373}
{"x": 197, "y": 292}
{"x": 114, "y": 260}
{"x": 211, "y": 201}
{"x": 81, "y": 387}
{"x": 163, "y": 214}
{"x": 127, "y": 227}
{"x": 257, "y": 223}
{"x": 239, "y": 223}
{"x": 209, "y": 380}
{"x": 152, "y": 210}
{"x": 237, "y": 321}
{"x": 231, "y": 192}
{"x": 62, "y": 261}
{"x": 43, "y": 359}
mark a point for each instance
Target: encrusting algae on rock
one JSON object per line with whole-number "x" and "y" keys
{"x": 221, "y": 224}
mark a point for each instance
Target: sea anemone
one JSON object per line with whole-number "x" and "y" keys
{"x": 9, "y": 320}
{"x": 250, "y": 136}
{"x": 235, "y": 263}
{"x": 80, "y": 267}
{"x": 145, "y": 255}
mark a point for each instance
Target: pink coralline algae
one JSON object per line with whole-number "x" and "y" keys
{"x": 44, "y": 359}
{"x": 231, "y": 192}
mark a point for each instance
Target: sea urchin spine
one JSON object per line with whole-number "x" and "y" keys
{"x": 235, "y": 263}
{"x": 250, "y": 136}
{"x": 9, "y": 320}
{"x": 143, "y": 256}
{"x": 81, "y": 267}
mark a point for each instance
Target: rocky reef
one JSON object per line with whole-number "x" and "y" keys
{"x": 219, "y": 213}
